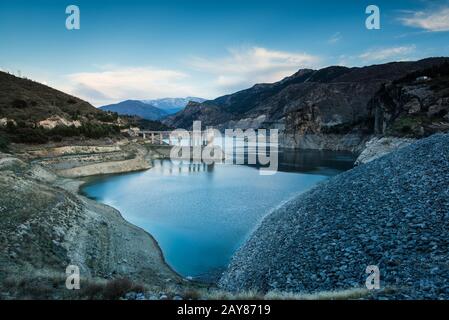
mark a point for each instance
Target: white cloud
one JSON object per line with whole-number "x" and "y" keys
{"x": 210, "y": 77}
{"x": 245, "y": 67}
{"x": 436, "y": 20}
{"x": 336, "y": 37}
{"x": 388, "y": 54}
{"x": 120, "y": 83}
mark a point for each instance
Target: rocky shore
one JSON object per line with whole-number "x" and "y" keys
{"x": 46, "y": 226}
{"x": 392, "y": 212}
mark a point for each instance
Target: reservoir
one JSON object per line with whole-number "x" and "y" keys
{"x": 201, "y": 214}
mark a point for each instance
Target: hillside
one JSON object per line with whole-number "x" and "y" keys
{"x": 416, "y": 105}
{"x": 391, "y": 213}
{"x": 31, "y": 112}
{"x": 137, "y": 108}
{"x": 29, "y": 101}
{"x": 331, "y": 100}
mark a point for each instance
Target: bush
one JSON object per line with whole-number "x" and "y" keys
{"x": 117, "y": 288}
{"x": 107, "y": 116}
{"x": 19, "y": 104}
{"x": 30, "y": 135}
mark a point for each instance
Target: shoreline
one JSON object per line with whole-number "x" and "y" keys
{"x": 82, "y": 182}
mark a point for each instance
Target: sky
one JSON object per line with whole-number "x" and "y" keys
{"x": 176, "y": 48}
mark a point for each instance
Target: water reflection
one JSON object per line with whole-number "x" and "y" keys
{"x": 200, "y": 214}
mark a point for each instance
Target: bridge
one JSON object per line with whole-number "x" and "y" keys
{"x": 167, "y": 138}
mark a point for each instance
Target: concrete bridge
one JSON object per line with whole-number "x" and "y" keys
{"x": 158, "y": 137}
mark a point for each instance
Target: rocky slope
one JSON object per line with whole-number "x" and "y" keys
{"x": 137, "y": 108}
{"x": 392, "y": 212}
{"x": 44, "y": 227}
{"x": 416, "y": 105}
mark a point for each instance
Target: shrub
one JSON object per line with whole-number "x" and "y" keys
{"x": 93, "y": 290}
{"x": 117, "y": 288}
{"x": 19, "y": 104}
{"x": 30, "y": 135}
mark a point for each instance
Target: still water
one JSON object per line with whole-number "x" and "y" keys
{"x": 200, "y": 214}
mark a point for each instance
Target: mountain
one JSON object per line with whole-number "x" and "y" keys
{"x": 331, "y": 100}
{"x": 31, "y": 112}
{"x": 416, "y": 105}
{"x": 172, "y": 105}
{"x": 136, "y": 107}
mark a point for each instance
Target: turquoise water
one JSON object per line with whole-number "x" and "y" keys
{"x": 201, "y": 214}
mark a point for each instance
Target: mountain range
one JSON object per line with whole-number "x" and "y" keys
{"x": 151, "y": 109}
{"x": 397, "y": 98}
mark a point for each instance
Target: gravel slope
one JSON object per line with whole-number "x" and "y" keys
{"x": 392, "y": 212}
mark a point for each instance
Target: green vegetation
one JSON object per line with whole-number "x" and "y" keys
{"x": 26, "y": 133}
{"x": 409, "y": 125}
{"x": 144, "y": 124}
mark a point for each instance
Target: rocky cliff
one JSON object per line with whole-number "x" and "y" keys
{"x": 333, "y": 100}
{"x": 416, "y": 105}
{"x": 46, "y": 226}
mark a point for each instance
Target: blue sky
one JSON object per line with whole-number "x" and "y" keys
{"x": 152, "y": 49}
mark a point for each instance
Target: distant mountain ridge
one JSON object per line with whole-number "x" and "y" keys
{"x": 335, "y": 99}
{"x": 172, "y": 105}
{"x": 136, "y": 108}
{"x": 151, "y": 109}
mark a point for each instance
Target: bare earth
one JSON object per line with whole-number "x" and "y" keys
{"x": 46, "y": 225}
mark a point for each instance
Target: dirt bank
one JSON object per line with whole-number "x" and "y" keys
{"x": 46, "y": 225}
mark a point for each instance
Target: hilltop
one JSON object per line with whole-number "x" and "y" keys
{"x": 31, "y": 112}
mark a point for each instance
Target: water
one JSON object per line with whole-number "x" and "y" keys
{"x": 200, "y": 214}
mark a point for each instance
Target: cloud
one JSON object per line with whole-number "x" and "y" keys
{"x": 114, "y": 84}
{"x": 336, "y": 37}
{"x": 213, "y": 77}
{"x": 435, "y": 21}
{"x": 388, "y": 54}
{"x": 245, "y": 67}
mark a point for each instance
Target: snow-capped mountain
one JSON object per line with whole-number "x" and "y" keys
{"x": 172, "y": 105}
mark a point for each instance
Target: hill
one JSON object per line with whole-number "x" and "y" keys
{"x": 31, "y": 112}
{"x": 31, "y": 102}
{"x": 391, "y": 213}
{"x": 138, "y": 108}
{"x": 331, "y": 100}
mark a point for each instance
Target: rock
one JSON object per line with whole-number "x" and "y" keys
{"x": 413, "y": 106}
{"x": 435, "y": 110}
{"x": 338, "y": 228}
{"x": 380, "y": 146}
